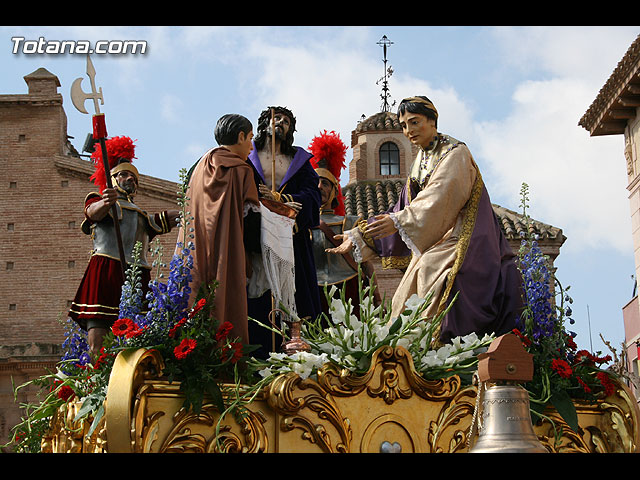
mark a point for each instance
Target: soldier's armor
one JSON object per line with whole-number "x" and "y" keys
{"x": 135, "y": 226}
{"x": 331, "y": 268}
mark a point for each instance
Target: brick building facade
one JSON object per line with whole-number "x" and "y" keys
{"x": 43, "y": 253}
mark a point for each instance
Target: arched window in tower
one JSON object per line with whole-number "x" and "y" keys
{"x": 389, "y": 159}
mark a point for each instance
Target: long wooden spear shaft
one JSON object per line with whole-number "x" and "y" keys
{"x": 273, "y": 187}
{"x": 273, "y": 151}
{"x": 114, "y": 208}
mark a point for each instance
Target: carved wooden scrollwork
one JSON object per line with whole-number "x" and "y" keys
{"x": 295, "y": 399}
{"x": 203, "y": 433}
{"x": 392, "y": 376}
{"x": 390, "y": 408}
{"x": 70, "y": 436}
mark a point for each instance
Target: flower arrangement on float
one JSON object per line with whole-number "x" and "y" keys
{"x": 349, "y": 341}
{"x": 198, "y": 352}
{"x": 562, "y": 372}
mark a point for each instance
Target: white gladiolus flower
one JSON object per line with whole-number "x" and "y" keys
{"x": 336, "y": 358}
{"x": 302, "y": 368}
{"x": 346, "y": 334}
{"x": 356, "y": 325}
{"x": 350, "y": 361}
{"x": 443, "y": 352}
{"x": 380, "y": 332}
{"x": 338, "y": 311}
{"x": 333, "y": 333}
{"x": 277, "y": 356}
{"x": 414, "y": 301}
{"x": 350, "y": 340}
{"x": 470, "y": 339}
{"x": 456, "y": 344}
{"x": 430, "y": 359}
{"x": 487, "y": 338}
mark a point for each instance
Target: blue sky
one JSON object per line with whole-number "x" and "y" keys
{"x": 513, "y": 94}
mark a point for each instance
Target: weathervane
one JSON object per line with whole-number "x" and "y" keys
{"x": 78, "y": 97}
{"x": 384, "y": 42}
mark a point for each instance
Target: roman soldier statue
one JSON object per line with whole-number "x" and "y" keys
{"x": 340, "y": 270}
{"x": 96, "y": 305}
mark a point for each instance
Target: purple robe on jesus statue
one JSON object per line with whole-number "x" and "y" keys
{"x": 300, "y": 184}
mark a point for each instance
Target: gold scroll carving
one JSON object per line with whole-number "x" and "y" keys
{"x": 391, "y": 408}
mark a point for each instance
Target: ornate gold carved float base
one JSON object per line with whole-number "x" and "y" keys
{"x": 389, "y": 409}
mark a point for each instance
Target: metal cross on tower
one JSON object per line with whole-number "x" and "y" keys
{"x": 388, "y": 71}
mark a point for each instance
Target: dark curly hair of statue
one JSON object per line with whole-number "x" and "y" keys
{"x": 264, "y": 120}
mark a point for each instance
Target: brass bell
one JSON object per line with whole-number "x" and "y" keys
{"x": 504, "y": 416}
{"x": 505, "y": 425}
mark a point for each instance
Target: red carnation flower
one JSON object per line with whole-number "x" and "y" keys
{"x": 590, "y": 359}
{"x": 584, "y": 356}
{"x": 609, "y": 387}
{"x": 605, "y": 359}
{"x": 65, "y": 393}
{"x": 123, "y": 326}
{"x": 185, "y": 348}
{"x": 584, "y": 386}
{"x": 175, "y": 328}
{"x": 232, "y": 353}
{"x": 561, "y": 367}
{"x": 525, "y": 341}
{"x": 135, "y": 332}
{"x": 198, "y": 306}
{"x": 223, "y": 330}
{"x": 102, "y": 359}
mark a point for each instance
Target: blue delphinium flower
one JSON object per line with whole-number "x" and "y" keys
{"x": 131, "y": 298}
{"x": 538, "y": 291}
{"x": 167, "y": 302}
{"x": 75, "y": 347}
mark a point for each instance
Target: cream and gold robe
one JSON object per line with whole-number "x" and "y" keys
{"x": 438, "y": 225}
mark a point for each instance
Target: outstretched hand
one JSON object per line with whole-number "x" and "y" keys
{"x": 344, "y": 247}
{"x": 381, "y": 227}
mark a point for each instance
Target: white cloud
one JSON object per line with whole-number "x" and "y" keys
{"x": 326, "y": 87}
{"x": 576, "y": 182}
{"x": 587, "y": 52}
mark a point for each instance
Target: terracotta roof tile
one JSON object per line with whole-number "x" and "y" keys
{"x": 368, "y": 198}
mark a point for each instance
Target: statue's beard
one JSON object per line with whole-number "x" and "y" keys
{"x": 280, "y": 135}
{"x": 128, "y": 186}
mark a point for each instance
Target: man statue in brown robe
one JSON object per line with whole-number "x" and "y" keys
{"x": 222, "y": 195}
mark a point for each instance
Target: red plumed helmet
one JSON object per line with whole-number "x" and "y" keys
{"x": 119, "y": 149}
{"x": 328, "y": 161}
